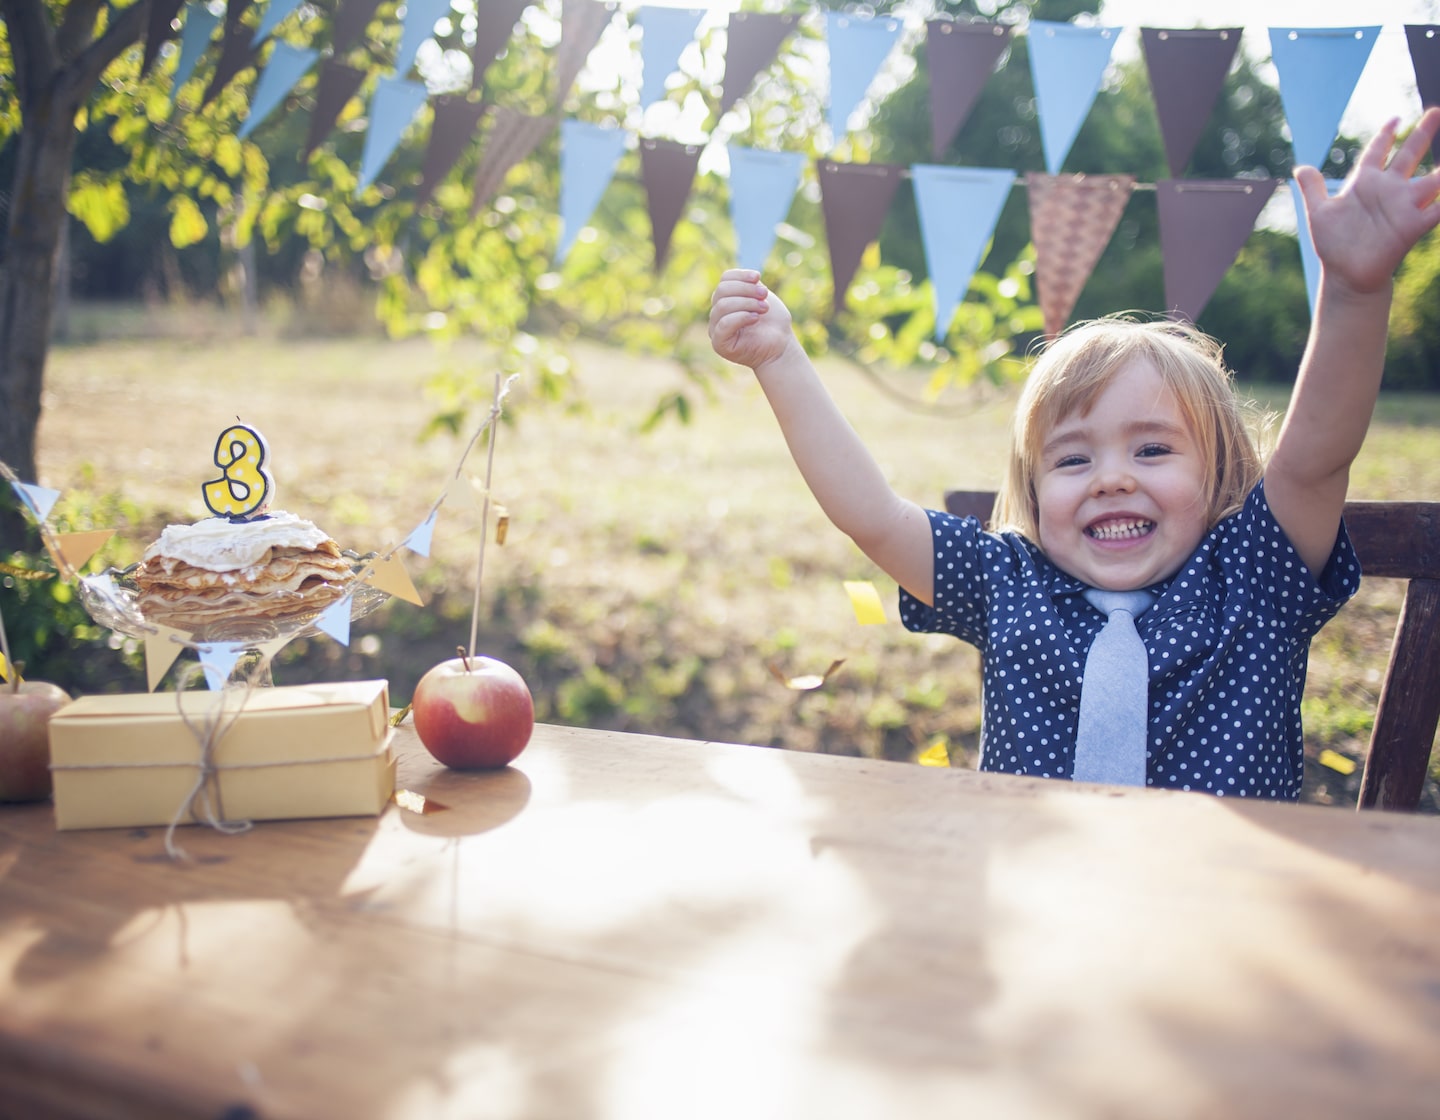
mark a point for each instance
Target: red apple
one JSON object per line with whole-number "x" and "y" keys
{"x": 25, "y": 738}
{"x": 473, "y": 713}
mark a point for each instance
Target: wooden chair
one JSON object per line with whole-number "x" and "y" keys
{"x": 1394, "y": 540}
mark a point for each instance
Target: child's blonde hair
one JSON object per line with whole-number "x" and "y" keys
{"x": 1074, "y": 369}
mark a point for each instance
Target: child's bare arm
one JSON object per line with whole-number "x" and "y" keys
{"x": 1360, "y": 236}
{"x": 751, "y": 326}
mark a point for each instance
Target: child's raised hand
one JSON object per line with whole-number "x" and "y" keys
{"x": 1363, "y": 233}
{"x": 749, "y": 324}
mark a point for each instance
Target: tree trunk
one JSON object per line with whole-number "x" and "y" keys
{"x": 27, "y": 286}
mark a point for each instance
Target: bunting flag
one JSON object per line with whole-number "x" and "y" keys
{"x": 1317, "y": 69}
{"x": 859, "y": 46}
{"x": 39, "y": 500}
{"x": 582, "y": 22}
{"x": 421, "y": 16}
{"x": 958, "y": 209}
{"x": 337, "y": 84}
{"x": 161, "y": 650}
{"x": 1072, "y": 218}
{"x": 667, "y": 169}
{"x": 351, "y": 19}
{"x": 1424, "y": 42}
{"x": 1066, "y": 65}
{"x": 420, "y": 537}
{"x": 195, "y": 36}
{"x": 335, "y": 621}
{"x": 588, "y": 155}
{"x": 76, "y": 549}
{"x": 1308, "y": 259}
{"x": 960, "y": 57}
{"x": 752, "y": 41}
{"x": 1187, "y": 72}
{"x": 286, "y": 66}
{"x": 1204, "y": 223}
{"x": 494, "y": 26}
{"x": 236, "y": 50}
{"x": 275, "y": 12}
{"x": 389, "y": 575}
{"x": 159, "y": 29}
{"x": 218, "y": 660}
{"x": 664, "y": 35}
{"x": 854, "y": 199}
{"x": 457, "y": 120}
{"x": 395, "y": 104}
{"x": 762, "y": 189}
{"x": 512, "y": 137}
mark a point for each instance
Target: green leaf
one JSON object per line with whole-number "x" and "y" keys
{"x": 187, "y": 223}
{"x": 100, "y": 204}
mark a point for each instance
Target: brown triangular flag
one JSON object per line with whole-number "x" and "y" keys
{"x": 1187, "y": 71}
{"x": 752, "y": 41}
{"x": 236, "y": 50}
{"x": 1424, "y": 40}
{"x": 668, "y": 170}
{"x": 1203, "y": 225}
{"x": 855, "y": 198}
{"x": 960, "y": 58}
{"x": 351, "y": 19}
{"x": 513, "y": 136}
{"x": 581, "y": 23}
{"x": 388, "y": 574}
{"x": 77, "y": 548}
{"x": 337, "y": 84}
{"x": 456, "y": 122}
{"x": 159, "y": 30}
{"x": 1072, "y": 218}
{"x": 494, "y": 26}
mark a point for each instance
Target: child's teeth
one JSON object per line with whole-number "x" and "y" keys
{"x": 1113, "y": 530}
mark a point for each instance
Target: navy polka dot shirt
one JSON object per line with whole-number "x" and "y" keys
{"x": 1227, "y": 642}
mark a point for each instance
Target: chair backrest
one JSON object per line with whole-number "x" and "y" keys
{"x": 1395, "y": 540}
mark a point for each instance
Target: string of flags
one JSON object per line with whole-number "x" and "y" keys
{"x": 1203, "y": 223}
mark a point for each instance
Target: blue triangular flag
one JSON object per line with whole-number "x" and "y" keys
{"x": 1066, "y": 65}
{"x": 39, "y": 500}
{"x": 421, "y": 16}
{"x": 1317, "y": 69}
{"x": 1308, "y": 260}
{"x": 392, "y": 108}
{"x": 419, "y": 538}
{"x": 588, "y": 155}
{"x": 858, "y": 45}
{"x": 664, "y": 34}
{"x": 762, "y": 187}
{"x": 200, "y": 24}
{"x": 958, "y": 208}
{"x": 275, "y": 11}
{"x": 335, "y": 621}
{"x": 287, "y": 66}
{"x": 217, "y": 660}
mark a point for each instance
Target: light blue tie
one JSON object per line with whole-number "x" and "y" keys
{"x": 1114, "y": 694}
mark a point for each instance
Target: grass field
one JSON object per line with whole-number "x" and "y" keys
{"x": 654, "y": 582}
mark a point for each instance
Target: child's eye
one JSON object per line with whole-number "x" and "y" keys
{"x": 1151, "y": 450}
{"x": 1070, "y": 461}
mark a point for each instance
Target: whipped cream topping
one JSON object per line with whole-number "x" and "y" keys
{"x": 219, "y": 545}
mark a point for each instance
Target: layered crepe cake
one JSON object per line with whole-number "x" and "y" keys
{"x": 272, "y": 568}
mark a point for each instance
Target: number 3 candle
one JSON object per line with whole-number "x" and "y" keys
{"x": 244, "y": 487}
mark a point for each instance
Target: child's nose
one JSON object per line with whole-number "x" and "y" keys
{"x": 1113, "y": 479}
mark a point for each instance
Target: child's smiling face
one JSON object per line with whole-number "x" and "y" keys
{"x": 1122, "y": 491}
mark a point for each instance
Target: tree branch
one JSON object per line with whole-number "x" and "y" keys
{"x": 125, "y": 28}
{"x": 77, "y": 27}
{"x": 32, "y": 48}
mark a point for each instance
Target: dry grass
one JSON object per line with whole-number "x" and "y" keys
{"x": 648, "y": 582}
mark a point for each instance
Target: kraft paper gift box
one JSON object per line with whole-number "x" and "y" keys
{"x": 319, "y": 750}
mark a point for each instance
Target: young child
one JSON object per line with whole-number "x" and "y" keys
{"x": 1131, "y": 468}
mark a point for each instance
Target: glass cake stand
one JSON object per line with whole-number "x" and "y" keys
{"x": 112, "y": 601}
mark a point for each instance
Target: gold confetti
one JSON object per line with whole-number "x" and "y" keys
{"x": 936, "y": 754}
{"x": 24, "y": 573}
{"x": 1337, "y": 762}
{"x": 866, "y": 602}
{"x": 502, "y": 524}
{"x": 807, "y": 682}
{"x": 413, "y": 802}
{"x": 399, "y": 717}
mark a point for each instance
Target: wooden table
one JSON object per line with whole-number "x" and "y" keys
{"x": 628, "y": 927}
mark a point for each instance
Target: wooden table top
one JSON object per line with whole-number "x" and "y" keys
{"x": 629, "y": 927}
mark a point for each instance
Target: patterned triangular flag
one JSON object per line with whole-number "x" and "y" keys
{"x": 512, "y": 136}
{"x": 1204, "y": 223}
{"x": 1072, "y": 218}
{"x": 1317, "y": 69}
{"x": 1066, "y": 64}
{"x": 854, "y": 199}
{"x": 958, "y": 208}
